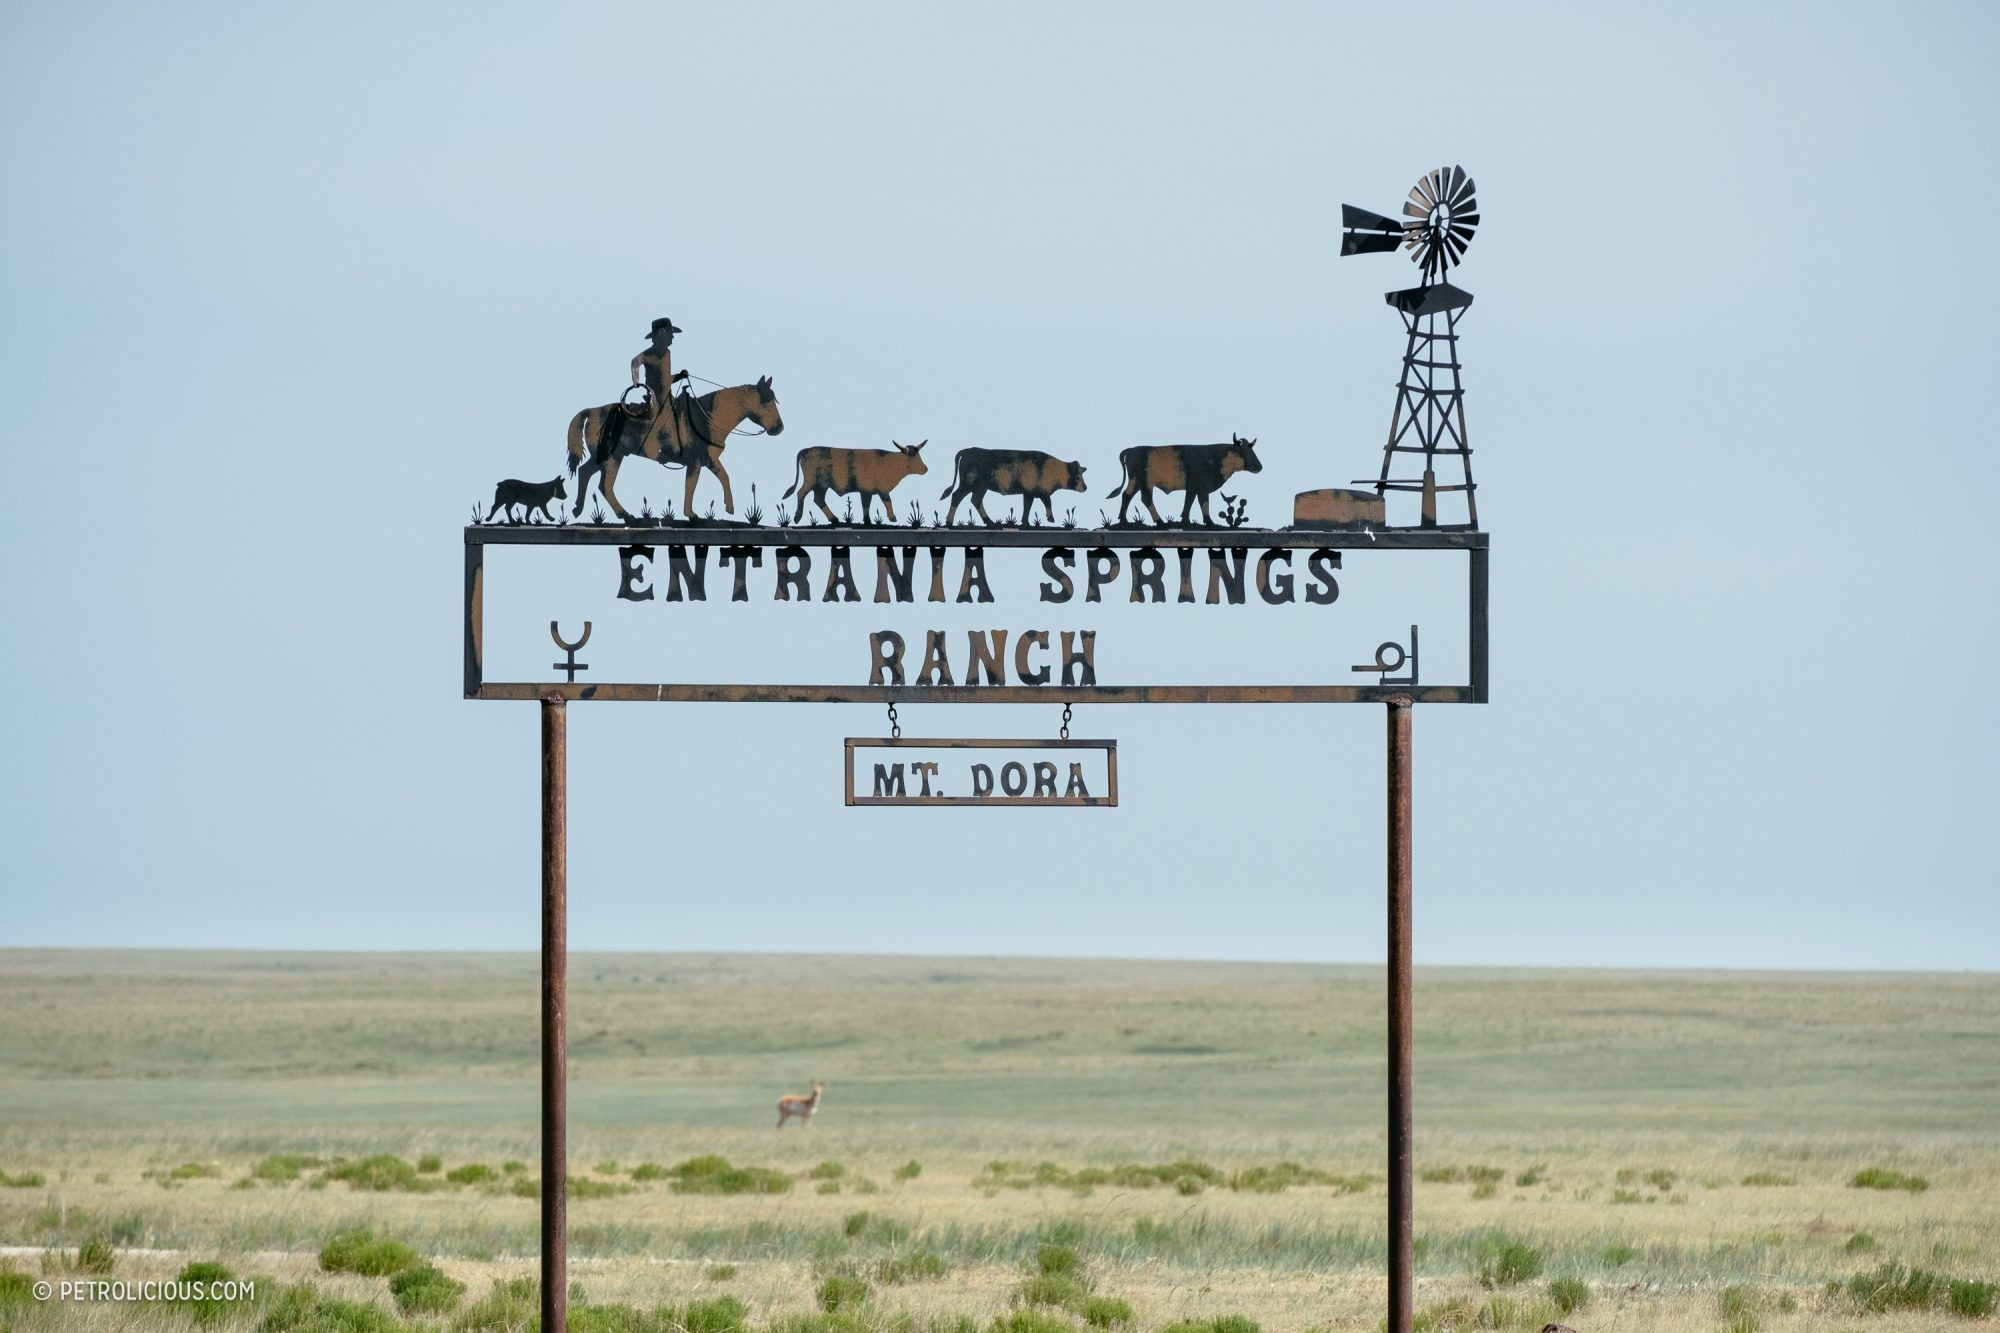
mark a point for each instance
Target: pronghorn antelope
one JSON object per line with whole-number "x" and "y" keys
{"x": 792, "y": 1104}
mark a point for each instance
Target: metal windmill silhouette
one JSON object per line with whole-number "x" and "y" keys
{"x": 1438, "y": 221}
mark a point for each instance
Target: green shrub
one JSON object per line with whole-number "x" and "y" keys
{"x": 827, "y": 1171}
{"x": 616, "y": 1319}
{"x": 1438, "y": 1175}
{"x": 648, "y": 1171}
{"x": 1569, "y": 1293}
{"x": 525, "y": 1187}
{"x": 714, "y": 1175}
{"x": 1618, "y": 1254}
{"x": 827, "y": 1187}
{"x": 282, "y": 1167}
{"x": 1485, "y": 1175}
{"x": 1032, "y": 1321}
{"x": 1273, "y": 1179}
{"x": 1972, "y": 1300}
{"x": 866, "y": 1226}
{"x": 909, "y": 1170}
{"x": 472, "y": 1173}
{"x": 27, "y": 1180}
{"x": 15, "y": 1288}
{"x": 302, "y": 1309}
{"x": 915, "y": 1266}
{"x": 1228, "y": 1323}
{"x": 841, "y": 1293}
{"x": 380, "y": 1173}
{"x": 1532, "y": 1176}
{"x": 607, "y": 1168}
{"x": 95, "y": 1255}
{"x": 1485, "y": 1189}
{"x": 1767, "y": 1179}
{"x": 429, "y": 1164}
{"x": 818, "y": 1322}
{"x": 360, "y": 1250}
{"x": 717, "y": 1314}
{"x": 1881, "y": 1178}
{"x": 720, "y": 1272}
{"x": 512, "y": 1168}
{"x": 1627, "y": 1196}
{"x": 1505, "y": 1260}
{"x": 422, "y": 1289}
{"x": 583, "y": 1187}
{"x": 505, "y": 1309}
{"x": 1660, "y": 1179}
{"x": 1067, "y": 1291}
{"x": 1055, "y": 1259}
{"x": 1448, "y": 1316}
{"x": 1105, "y": 1312}
{"x": 1894, "y": 1287}
{"x": 1859, "y": 1242}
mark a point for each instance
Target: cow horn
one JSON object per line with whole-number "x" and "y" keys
{"x": 920, "y": 444}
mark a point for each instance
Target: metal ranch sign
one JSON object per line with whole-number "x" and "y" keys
{"x": 1032, "y": 608}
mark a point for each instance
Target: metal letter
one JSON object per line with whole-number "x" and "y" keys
{"x": 792, "y": 577}
{"x": 1061, "y": 588}
{"x": 694, "y": 577}
{"x": 1102, "y": 567}
{"x": 987, "y": 650}
{"x": 630, "y": 575}
{"x": 885, "y": 647}
{"x": 1038, "y": 638}
{"x": 1085, "y": 659}
{"x": 975, "y": 572}
{"x": 1275, "y": 589}
{"x": 742, "y": 557}
{"x": 937, "y": 671}
{"x": 840, "y": 576}
{"x": 886, "y": 574}
{"x": 1149, "y": 570}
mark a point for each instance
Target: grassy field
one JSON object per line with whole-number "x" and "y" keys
{"x": 998, "y": 1143}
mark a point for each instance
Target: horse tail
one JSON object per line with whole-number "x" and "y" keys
{"x": 577, "y": 444}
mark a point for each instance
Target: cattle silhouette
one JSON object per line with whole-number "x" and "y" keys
{"x": 1028, "y": 473}
{"x": 1198, "y": 469}
{"x": 864, "y": 472}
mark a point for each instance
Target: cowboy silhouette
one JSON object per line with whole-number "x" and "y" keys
{"x": 653, "y": 372}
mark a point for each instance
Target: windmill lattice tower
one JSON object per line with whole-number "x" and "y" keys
{"x": 1439, "y": 218}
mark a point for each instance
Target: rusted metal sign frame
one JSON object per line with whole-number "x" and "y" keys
{"x": 1474, "y": 544}
{"x": 1110, "y": 748}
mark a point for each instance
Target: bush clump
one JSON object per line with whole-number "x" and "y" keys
{"x": 583, "y": 1187}
{"x": 1768, "y": 1179}
{"x": 1972, "y": 1300}
{"x": 827, "y": 1171}
{"x": 422, "y": 1289}
{"x": 867, "y": 1227}
{"x": 1895, "y": 1287}
{"x": 26, "y": 1180}
{"x": 508, "y": 1306}
{"x": 303, "y": 1309}
{"x": 1569, "y": 1293}
{"x": 714, "y": 1175}
{"x": 1618, "y": 1254}
{"x": 429, "y": 1164}
{"x": 1228, "y": 1323}
{"x": 909, "y": 1170}
{"x": 379, "y": 1174}
{"x": 360, "y": 1250}
{"x": 1031, "y": 1321}
{"x": 95, "y": 1255}
{"x": 915, "y": 1266}
{"x": 472, "y": 1173}
{"x": 1860, "y": 1242}
{"x": 1881, "y": 1178}
{"x": 1105, "y": 1312}
{"x": 280, "y": 1168}
{"x": 842, "y": 1293}
{"x": 1505, "y": 1260}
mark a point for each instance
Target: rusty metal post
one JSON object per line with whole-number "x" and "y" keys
{"x": 555, "y": 1005}
{"x": 1402, "y": 1270}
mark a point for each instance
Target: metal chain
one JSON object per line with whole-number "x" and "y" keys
{"x": 895, "y": 727}
{"x": 1065, "y": 726}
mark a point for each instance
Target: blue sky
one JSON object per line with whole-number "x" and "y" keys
{"x": 286, "y": 288}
